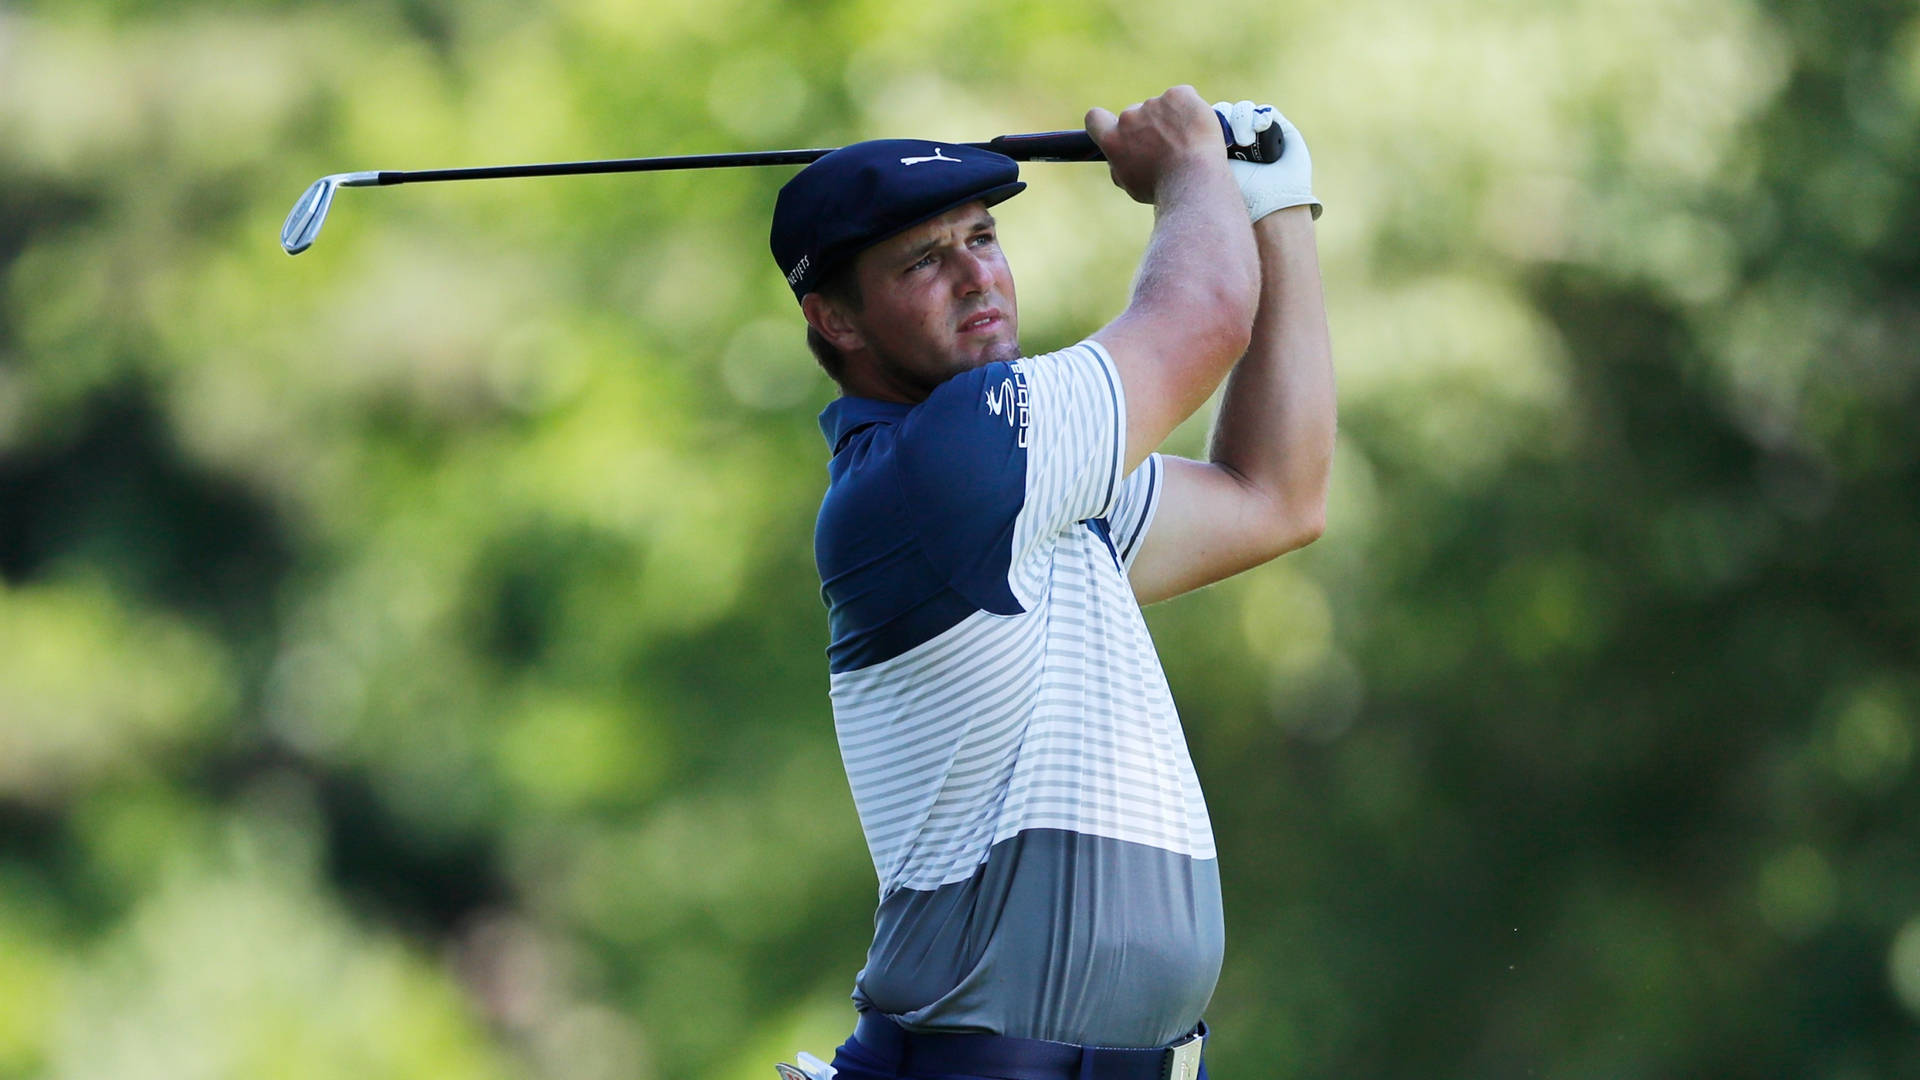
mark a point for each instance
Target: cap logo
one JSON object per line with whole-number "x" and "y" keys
{"x": 799, "y": 270}
{"x": 938, "y": 155}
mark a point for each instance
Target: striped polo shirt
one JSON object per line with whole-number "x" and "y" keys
{"x": 1045, "y": 860}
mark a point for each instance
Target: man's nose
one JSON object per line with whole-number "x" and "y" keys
{"x": 976, "y": 275}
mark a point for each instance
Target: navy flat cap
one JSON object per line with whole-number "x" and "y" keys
{"x": 859, "y": 195}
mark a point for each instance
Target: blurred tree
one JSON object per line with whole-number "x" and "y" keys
{"x": 410, "y": 656}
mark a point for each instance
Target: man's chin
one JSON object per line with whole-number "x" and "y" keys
{"x": 998, "y": 352}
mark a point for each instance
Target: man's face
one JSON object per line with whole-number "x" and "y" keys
{"x": 937, "y": 300}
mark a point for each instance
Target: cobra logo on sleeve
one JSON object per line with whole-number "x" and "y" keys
{"x": 1008, "y": 398}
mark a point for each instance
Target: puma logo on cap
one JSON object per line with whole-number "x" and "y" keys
{"x": 937, "y": 155}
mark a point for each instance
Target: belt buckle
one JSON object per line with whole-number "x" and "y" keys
{"x": 810, "y": 1068}
{"x": 1183, "y": 1058}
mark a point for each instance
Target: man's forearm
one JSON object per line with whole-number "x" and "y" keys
{"x": 1276, "y": 423}
{"x": 1199, "y": 249}
{"x": 1191, "y": 314}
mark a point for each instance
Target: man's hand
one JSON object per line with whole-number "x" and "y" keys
{"x": 1278, "y": 184}
{"x": 1151, "y": 142}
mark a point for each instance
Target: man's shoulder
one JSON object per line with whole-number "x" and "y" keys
{"x": 980, "y": 411}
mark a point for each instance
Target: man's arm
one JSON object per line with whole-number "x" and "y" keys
{"x": 1263, "y": 490}
{"x": 1193, "y": 300}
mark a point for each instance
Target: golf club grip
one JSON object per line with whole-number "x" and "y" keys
{"x": 1079, "y": 146}
{"x": 1045, "y": 146}
{"x": 1266, "y": 144}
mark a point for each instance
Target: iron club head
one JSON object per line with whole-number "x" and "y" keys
{"x": 310, "y": 212}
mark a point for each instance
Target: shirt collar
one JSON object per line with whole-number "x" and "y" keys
{"x": 846, "y": 415}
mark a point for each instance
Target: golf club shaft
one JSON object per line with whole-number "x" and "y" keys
{"x": 1039, "y": 146}
{"x": 310, "y": 212}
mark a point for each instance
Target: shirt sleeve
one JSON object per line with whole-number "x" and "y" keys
{"x": 1077, "y": 434}
{"x": 1000, "y": 459}
{"x": 1133, "y": 511}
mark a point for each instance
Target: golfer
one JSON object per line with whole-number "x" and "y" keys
{"x": 1049, "y": 897}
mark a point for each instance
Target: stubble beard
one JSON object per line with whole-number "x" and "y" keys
{"x": 923, "y": 382}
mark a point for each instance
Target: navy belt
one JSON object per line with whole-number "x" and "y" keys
{"x": 1003, "y": 1057}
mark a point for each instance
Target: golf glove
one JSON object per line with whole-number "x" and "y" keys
{"x": 1278, "y": 184}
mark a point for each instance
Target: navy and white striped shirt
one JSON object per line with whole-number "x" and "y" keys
{"x": 1045, "y": 860}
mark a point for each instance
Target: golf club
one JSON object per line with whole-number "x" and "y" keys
{"x": 310, "y": 212}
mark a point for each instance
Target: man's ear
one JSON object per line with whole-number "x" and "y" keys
{"x": 831, "y": 321}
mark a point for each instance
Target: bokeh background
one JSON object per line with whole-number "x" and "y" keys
{"x": 411, "y": 662}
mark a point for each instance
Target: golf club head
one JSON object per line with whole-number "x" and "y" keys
{"x": 310, "y": 212}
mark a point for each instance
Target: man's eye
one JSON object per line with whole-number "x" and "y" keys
{"x": 925, "y": 260}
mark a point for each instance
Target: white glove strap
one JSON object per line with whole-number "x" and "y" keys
{"x": 1264, "y": 197}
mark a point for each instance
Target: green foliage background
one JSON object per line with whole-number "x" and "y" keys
{"x": 411, "y": 663}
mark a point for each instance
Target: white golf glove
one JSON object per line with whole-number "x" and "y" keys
{"x": 1275, "y": 185}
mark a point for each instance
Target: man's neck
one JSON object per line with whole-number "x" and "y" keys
{"x": 867, "y": 376}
